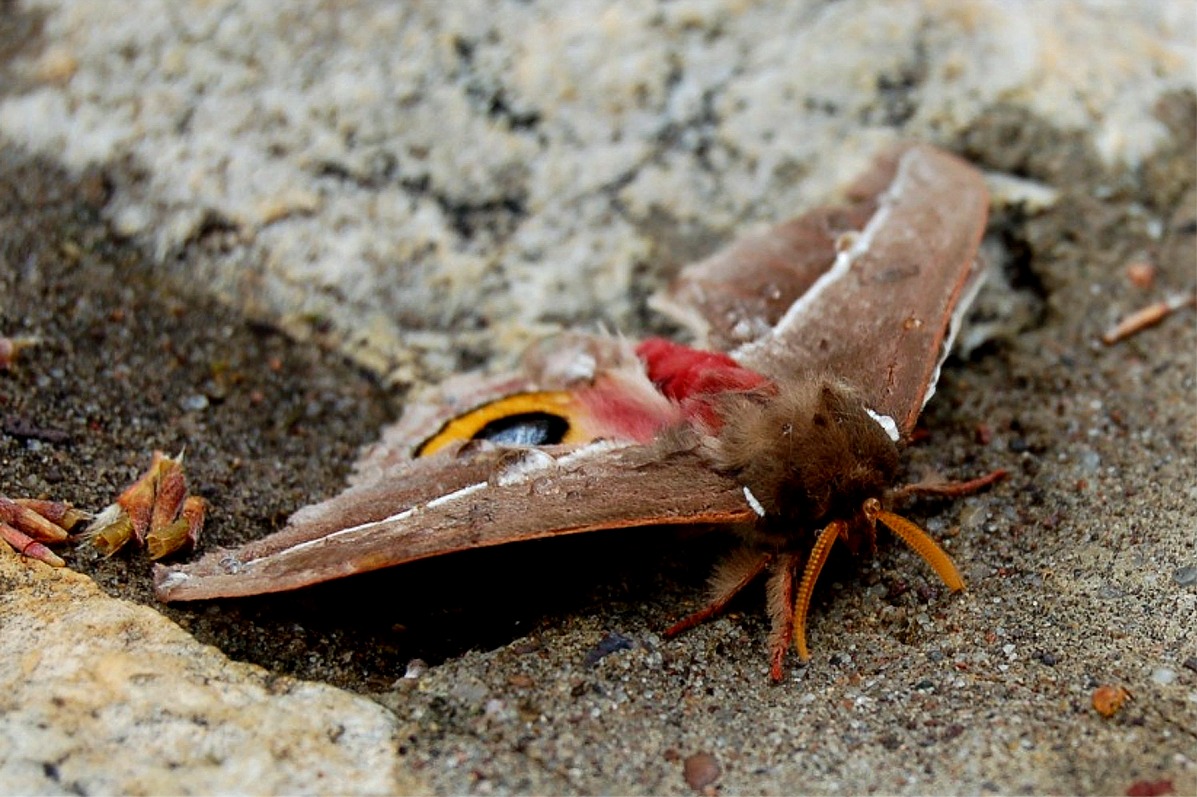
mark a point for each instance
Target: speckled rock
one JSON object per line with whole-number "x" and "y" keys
{"x": 105, "y": 696}
{"x": 383, "y": 174}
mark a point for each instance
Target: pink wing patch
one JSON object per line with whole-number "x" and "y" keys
{"x": 693, "y": 378}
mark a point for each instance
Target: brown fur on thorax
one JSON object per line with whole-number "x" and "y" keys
{"x": 810, "y": 454}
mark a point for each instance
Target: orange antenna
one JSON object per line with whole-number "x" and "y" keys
{"x": 919, "y": 541}
{"x": 814, "y": 566}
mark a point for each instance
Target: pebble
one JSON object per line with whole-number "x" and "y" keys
{"x": 1109, "y": 699}
{"x": 1185, "y": 576}
{"x": 701, "y": 770}
{"x": 1163, "y": 675}
{"x": 195, "y": 402}
{"x": 606, "y": 646}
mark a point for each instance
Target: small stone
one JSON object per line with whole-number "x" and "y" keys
{"x": 606, "y": 646}
{"x": 1163, "y": 675}
{"x": 1185, "y": 576}
{"x": 195, "y": 402}
{"x": 701, "y": 770}
{"x": 1141, "y": 273}
{"x": 1150, "y": 788}
{"x": 1108, "y": 699}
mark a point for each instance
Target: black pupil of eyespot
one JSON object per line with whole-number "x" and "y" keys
{"x": 525, "y": 429}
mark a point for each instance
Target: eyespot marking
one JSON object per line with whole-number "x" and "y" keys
{"x": 525, "y": 419}
{"x": 525, "y": 429}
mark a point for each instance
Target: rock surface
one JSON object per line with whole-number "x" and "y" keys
{"x": 386, "y": 174}
{"x": 106, "y": 696}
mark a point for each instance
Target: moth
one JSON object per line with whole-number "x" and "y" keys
{"x": 822, "y": 338}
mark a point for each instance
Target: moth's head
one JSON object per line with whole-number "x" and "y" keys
{"x": 810, "y": 453}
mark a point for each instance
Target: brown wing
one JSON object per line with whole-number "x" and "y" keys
{"x": 475, "y": 498}
{"x": 738, "y": 294}
{"x": 881, "y": 317}
{"x": 874, "y": 301}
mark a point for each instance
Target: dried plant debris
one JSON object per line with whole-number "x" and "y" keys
{"x": 1148, "y": 316}
{"x": 30, "y": 525}
{"x": 11, "y": 347}
{"x": 155, "y": 510}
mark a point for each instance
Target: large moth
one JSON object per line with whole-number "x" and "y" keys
{"x": 826, "y": 336}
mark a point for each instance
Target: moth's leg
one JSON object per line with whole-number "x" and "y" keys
{"x": 949, "y": 489}
{"x": 730, "y": 576}
{"x": 814, "y": 566}
{"x": 779, "y": 593}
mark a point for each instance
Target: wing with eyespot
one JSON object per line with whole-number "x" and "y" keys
{"x": 474, "y": 497}
{"x": 564, "y": 362}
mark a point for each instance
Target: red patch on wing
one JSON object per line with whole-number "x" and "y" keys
{"x": 615, "y": 412}
{"x": 692, "y": 377}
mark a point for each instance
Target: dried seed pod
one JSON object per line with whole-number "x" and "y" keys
{"x": 170, "y": 490}
{"x": 183, "y": 532}
{"x": 30, "y": 522}
{"x": 25, "y": 545}
{"x": 138, "y": 498}
{"x": 111, "y": 530}
{"x": 59, "y": 513}
{"x": 11, "y": 347}
{"x": 132, "y": 512}
{"x": 1148, "y": 316}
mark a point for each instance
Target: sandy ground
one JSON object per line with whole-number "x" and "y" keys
{"x": 547, "y": 671}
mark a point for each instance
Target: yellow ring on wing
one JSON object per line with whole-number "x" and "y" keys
{"x": 558, "y": 403}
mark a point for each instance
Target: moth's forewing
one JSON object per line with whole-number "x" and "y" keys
{"x": 738, "y": 294}
{"x": 873, "y": 301}
{"x": 882, "y": 315}
{"x": 448, "y": 503}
